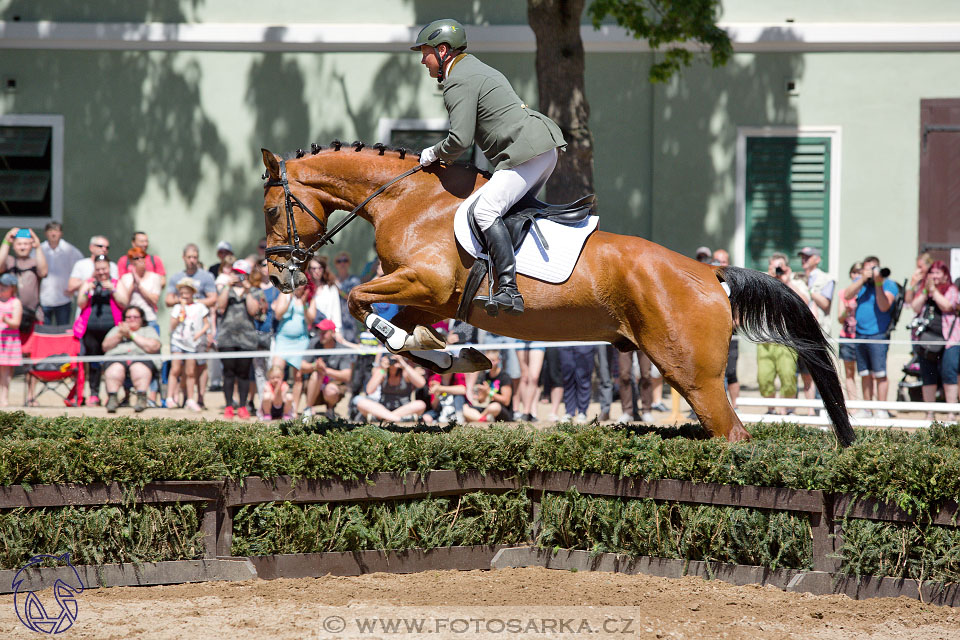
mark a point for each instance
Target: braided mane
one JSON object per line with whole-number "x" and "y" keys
{"x": 357, "y": 145}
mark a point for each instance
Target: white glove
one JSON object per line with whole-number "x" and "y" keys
{"x": 428, "y": 156}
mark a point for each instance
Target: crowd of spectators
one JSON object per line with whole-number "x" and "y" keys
{"x": 233, "y": 308}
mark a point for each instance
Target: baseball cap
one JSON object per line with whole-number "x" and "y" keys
{"x": 189, "y": 283}
{"x": 326, "y": 325}
{"x": 242, "y": 266}
{"x": 22, "y": 233}
{"x": 8, "y": 280}
{"x": 809, "y": 251}
{"x": 223, "y": 245}
{"x": 704, "y": 251}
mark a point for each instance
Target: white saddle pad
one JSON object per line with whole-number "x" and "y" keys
{"x": 533, "y": 260}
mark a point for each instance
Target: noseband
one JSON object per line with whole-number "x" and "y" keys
{"x": 299, "y": 254}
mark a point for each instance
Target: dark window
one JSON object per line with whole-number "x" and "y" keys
{"x": 26, "y": 171}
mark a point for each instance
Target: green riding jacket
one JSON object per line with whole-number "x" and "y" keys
{"x": 484, "y": 109}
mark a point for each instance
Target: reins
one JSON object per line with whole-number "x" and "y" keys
{"x": 299, "y": 255}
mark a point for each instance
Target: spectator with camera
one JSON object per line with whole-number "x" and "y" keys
{"x": 389, "y": 389}
{"x": 821, "y": 287}
{"x": 83, "y": 269}
{"x": 777, "y": 360}
{"x": 875, "y": 293}
{"x": 329, "y": 375}
{"x": 238, "y": 305}
{"x": 848, "y": 330}
{"x": 99, "y": 313}
{"x": 492, "y": 393}
{"x": 936, "y": 306}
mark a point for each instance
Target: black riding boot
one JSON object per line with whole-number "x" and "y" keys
{"x": 500, "y": 250}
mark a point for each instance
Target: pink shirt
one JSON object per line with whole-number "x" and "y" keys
{"x": 154, "y": 265}
{"x": 951, "y": 321}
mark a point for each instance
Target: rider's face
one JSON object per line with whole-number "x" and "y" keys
{"x": 429, "y": 59}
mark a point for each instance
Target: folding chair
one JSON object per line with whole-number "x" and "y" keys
{"x": 56, "y": 376}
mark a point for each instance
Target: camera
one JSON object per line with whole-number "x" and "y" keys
{"x": 780, "y": 271}
{"x": 883, "y": 272}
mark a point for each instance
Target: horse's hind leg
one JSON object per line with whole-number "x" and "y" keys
{"x": 712, "y": 407}
{"x": 692, "y": 355}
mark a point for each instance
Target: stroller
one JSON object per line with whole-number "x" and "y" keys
{"x": 910, "y": 386}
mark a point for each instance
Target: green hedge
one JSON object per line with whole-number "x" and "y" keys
{"x": 665, "y": 530}
{"x": 101, "y": 535}
{"x": 917, "y": 471}
{"x": 474, "y": 518}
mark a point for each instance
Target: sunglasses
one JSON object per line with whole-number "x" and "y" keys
{"x": 343, "y": 260}
{"x": 102, "y": 246}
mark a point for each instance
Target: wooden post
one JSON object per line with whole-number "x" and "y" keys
{"x": 675, "y": 415}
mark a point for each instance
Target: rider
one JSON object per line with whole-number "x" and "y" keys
{"x": 519, "y": 142}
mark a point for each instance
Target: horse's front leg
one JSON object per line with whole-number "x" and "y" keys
{"x": 410, "y": 331}
{"x": 401, "y": 287}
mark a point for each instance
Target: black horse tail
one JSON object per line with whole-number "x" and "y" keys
{"x": 767, "y": 310}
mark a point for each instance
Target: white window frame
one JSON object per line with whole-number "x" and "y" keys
{"x": 387, "y": 125}
{"x": 834, "y": 133}
{"x": 56, "y": 123}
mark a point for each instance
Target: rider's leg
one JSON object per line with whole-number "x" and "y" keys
{"x": 492, "y": 200}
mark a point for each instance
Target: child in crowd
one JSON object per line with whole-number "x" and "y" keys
{"x": 11, "y": 312}
{"x": 277, "y": 400}
{"x": 189, "y": 323}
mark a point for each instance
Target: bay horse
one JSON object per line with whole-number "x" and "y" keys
{"x": 625, "y": 290}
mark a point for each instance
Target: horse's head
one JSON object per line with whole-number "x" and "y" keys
{"x": 295, "y": 216}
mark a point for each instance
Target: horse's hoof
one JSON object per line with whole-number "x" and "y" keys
{"x": 425, "y": 338}
{"x": 469, "y": 360}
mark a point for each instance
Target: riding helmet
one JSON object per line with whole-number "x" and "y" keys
{"x": 444, "y": 30}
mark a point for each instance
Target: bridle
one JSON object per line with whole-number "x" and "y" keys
{"x": 300, "y": 255}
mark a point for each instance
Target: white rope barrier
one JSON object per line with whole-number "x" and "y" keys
{"x": 798, "y": 403}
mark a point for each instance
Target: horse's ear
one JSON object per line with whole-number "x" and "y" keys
{"x": 272, "y": 162}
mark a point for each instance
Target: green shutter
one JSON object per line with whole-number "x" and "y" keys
{"x": 787, "y": 198}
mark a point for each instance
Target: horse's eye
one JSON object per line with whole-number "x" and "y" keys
{"x": 273, "y": 211}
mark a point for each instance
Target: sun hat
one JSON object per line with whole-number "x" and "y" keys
{"x": 188, "y": 283}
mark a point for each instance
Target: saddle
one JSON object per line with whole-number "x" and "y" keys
{"x": 520, "y": 220}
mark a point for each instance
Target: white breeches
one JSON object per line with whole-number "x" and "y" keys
{"x": 506, "y": 186}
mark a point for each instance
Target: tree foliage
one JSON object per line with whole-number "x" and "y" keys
{"x": 671, "y": 23}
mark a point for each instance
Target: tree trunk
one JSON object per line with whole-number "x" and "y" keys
{"x": 560, "y": 80}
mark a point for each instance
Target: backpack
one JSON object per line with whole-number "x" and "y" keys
{"x": 895, "y": 308}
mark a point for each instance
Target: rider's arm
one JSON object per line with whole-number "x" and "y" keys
{"x": 461, "y": 99}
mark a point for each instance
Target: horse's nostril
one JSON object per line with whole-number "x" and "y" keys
{"x": 275, "y": 281}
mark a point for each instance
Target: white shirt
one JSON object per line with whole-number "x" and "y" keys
{"x": 60, "y": 262}
{"x": 193, "y": 315}
{"x": 83, "y": 269}
{"x": 151, "y": 283}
